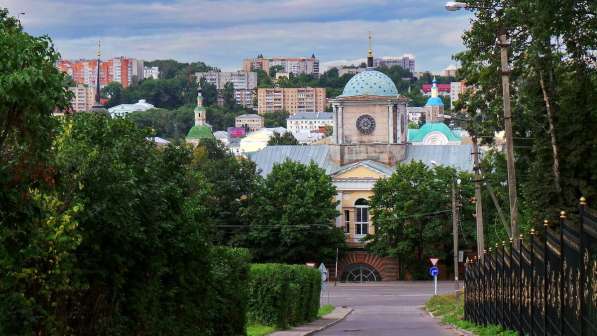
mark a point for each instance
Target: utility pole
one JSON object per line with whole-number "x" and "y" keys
{"x": 455, "y": 232}
{"x": 478, "y": 199}
{"x": 505, "y": 70}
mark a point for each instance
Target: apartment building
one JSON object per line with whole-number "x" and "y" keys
{"x": 151, "y": 72}
{"x": 291, "y": 100}
{"x": 123, "y": 70}
{"x": 309, "y": 121}
{"x": 294, "y": 65}
{"x": 244, "y": 83}
{"x": 405, "y": 61}
{"x": 83, "y": 97}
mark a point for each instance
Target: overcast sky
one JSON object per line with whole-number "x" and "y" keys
{"x": 223, "y": 32}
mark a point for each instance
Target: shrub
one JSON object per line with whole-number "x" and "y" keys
{"x": 230, "y": 273}
{"x": 283, "y": 295}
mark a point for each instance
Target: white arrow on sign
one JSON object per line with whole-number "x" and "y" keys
{"x": 434, "y": 261}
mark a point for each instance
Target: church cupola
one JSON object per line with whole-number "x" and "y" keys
{"x": 200, "y": 111}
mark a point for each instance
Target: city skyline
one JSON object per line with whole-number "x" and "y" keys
{"x": 223, "y": 33}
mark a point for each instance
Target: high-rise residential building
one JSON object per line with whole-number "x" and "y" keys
{"x": 83, "y": 97}
{"x": 405, "y": 61}
{"x": 291, "y": 100}
{"x": 151, "y": 72}
{"x": 294, "y": 65}
{"x": 244, "y": 83}
{"x": 242, "y": 80}
{"x": 120, "y": 69}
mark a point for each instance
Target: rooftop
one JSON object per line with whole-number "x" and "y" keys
{"x": 312, "y": 116}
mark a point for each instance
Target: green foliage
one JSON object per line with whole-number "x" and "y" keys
{"x": 275, "y": 119}
{"x": 168, "y": 124}
{"x": 209, "y": 92}
{"x": 114, "y": 93}
{"x": 292, "y": 215}
{"x": 170, "y": 69}
{"x": 234, "y": 183}
{"x": 451, "y": 311}
{"x": 415, "y": 97}
{"x": 411, "y": 214}
{"x": 228, "y": 96}
{"x": 163, "y": 93}
{"x": 553, "y": 146}
{"x": 256, "y": 329}
{"x": 283, "y": 295}
{"x": 230, "y": 275}
{"x": 282, "y": 139}
{"x": 325, "y": 309}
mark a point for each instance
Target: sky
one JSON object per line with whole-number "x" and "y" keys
{"x": 222, "y": 33}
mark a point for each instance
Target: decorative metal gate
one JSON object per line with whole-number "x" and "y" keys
{"x": 548, "y": 286}
{"x": 360, "y": 273}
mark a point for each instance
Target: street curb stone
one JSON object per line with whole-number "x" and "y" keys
{"x": 461, "y": 331}
{"x": 337, "y": 315}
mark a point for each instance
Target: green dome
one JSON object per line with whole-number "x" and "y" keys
{"x": 200, "y": 132}
{"x": 417, "y": 135}
{"x": 370, "y": 83}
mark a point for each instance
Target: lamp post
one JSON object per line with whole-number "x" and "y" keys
{"x": 505, "y": 72}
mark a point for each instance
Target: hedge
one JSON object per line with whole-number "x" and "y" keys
{"x": 283, "y": 295}
{"x": 228, "y": 304}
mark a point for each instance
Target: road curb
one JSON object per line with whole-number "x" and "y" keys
{"x": 342, "y": 313}
{"x": 333, "y": 322}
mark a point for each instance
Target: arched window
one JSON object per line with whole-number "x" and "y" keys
{"x": 362, "y": 214}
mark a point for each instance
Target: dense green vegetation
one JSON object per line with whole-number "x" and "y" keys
{"x": 292, "y": 215}
{"x": 412, "y": 215}
{"x": 451, "y": 311}
{"x": 553, "y": 88}
{"x": 282, "y": 139}
{"x": 283, "y": 295}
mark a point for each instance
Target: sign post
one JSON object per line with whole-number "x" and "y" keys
{"x": 434, "y": 271}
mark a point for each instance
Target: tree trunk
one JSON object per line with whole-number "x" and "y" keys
{"x": 552, "y": 134}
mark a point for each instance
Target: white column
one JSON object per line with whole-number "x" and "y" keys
{"x": 390, "y": 125}
{"x": 340, "y": 124}
{"x": 335, "y": 128}
{"x": 339, "y": 208}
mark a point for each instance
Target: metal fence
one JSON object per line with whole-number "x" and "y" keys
{"x": 546, "y": 286}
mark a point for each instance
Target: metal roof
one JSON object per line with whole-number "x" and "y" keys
{"x": 270, "y": 155}
{"x": 312, "y": 116}
{"x": 456, "y": 156}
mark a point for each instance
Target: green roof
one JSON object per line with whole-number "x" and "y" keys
{"x": 417, "y": 135}
{"x": 200, "y": 132}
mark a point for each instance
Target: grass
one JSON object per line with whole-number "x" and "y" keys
{"x": 451, "y": 311}
{"x": 324, "y": 310}
{"x": 261, "y": 330}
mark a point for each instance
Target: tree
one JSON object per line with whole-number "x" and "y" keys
{"x": 209, "y": 92}
{"x": 274, "y": 70}
{"x": 114, "y": 93}
{"x": 411, "y": 215}
{"x": 263, "y": 79}
{"x": 234, "y": 183}
{"x": 35, "y": 227}
{"x": 168, "y": 124}
{"x": 293, "y": 214}
{"x": 275, "y": 119}
{"x": 279, "y": 139}
{"x": 229, "y": 99}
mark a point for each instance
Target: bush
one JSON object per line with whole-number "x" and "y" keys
{"x": 230, "y": 273}
{"x": 283, "y": 295}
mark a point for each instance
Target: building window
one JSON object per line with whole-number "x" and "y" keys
{"x": 346, "y": 221}
{"x": 362, "y": 210}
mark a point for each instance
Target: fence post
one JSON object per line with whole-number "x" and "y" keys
{"x": 581, "y": 290}
{"x": 532, "y": 289}
{"x": 520, "y": 291}
{"x": 545, "y": 276}
{"x": 510, "y": 292}
{"x": 562, "y": 275}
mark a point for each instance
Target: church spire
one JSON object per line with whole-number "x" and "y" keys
{"x": 370, "y": 54}
{"x": 200, "y": 113}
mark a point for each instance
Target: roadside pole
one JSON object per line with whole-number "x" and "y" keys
{"x": 336, "y": 272}
{"x": 434, "y": 271}
{"x": 455, "y": 233}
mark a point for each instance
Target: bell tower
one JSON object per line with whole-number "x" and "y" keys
{"x": 200, "y": 112}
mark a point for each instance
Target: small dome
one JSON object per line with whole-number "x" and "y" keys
{"x": 370, "y": 83}
{"x": 434, "y": 101}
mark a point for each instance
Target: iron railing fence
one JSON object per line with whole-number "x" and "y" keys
{"x": 546, "y": 286}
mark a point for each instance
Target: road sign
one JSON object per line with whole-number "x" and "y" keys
{"x": 433, "y": 271}
{"x": 434, "y": 261}
{"x": 324, "y": 272}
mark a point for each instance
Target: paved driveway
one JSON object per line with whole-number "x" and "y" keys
{"x": 386, "y": 308}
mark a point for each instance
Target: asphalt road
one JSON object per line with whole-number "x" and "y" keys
{"x": 386, "y": 308}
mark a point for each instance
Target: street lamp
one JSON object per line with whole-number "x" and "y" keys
{"x": 453, "y": 6}
{"x": 505, "y": 72}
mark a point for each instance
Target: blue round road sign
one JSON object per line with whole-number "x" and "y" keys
{"x": 433, "y": 271}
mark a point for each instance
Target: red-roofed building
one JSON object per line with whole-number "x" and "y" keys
{"x": 443, "y": 89}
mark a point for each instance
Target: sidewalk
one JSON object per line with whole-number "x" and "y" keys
{"x": 326, "y": 321}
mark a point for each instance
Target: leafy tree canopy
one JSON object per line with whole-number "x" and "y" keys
{"x": 282, "y": 139}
